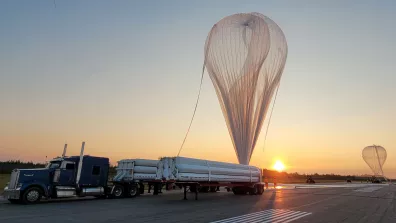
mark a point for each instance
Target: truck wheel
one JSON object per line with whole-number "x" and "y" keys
{"x": 32, "y": 195}
{"x": 118, "y": 191}
{"x": 133, "y": 191}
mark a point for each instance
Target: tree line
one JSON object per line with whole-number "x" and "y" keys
{"x": 283, "y": 176}
{"x": 7, "y": 166}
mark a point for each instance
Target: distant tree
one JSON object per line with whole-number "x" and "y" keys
{"x": 7, "y": 166}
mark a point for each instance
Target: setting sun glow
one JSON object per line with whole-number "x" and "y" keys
{"x": 279, "y": 166}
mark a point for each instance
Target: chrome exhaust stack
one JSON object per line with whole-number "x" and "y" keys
{"x": 80, "y": 164}
{"x": 64, "y": 151}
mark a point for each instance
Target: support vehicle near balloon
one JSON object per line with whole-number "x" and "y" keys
{"x": 82, "y": 176}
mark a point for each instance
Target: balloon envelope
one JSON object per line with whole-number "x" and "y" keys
{"x": 245, "y": 55}
{"x": 375, "y": 157}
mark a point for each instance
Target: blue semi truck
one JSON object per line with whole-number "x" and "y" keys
{"x": 65, "y": 177}
{"x": 81, "y": 176}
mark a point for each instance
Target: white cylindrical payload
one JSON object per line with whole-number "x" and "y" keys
{"x": 137, "y": 169}
{"x": 144, "y": 162}
{"x": 145, "y": 169}
{"x": 218, "y": 178}
{"x": 144, "y": 176}
{"x": 184, "y": 168}
{"x": 165, "y": 172}
{"x": 200, "y": 162}
{"x": 189, "y": 169}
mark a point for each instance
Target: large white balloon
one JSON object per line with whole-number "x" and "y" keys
{"x": 245, "y": 55}
{"x": 375, "y": 157}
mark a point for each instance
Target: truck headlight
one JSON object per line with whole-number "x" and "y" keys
{"x": 19, "y": 185}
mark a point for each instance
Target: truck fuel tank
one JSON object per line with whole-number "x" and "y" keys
{"x": 92, "y": 191}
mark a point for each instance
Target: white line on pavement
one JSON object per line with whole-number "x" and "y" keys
{"x": 271, "y": 215}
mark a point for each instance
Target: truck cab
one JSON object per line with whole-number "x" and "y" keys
{"x": 74, "y": 176}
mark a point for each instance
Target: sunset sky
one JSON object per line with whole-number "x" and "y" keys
{"x": 123, "y": 76}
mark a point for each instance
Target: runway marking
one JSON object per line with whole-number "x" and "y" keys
{"x": 302, "y": 186}
{"x": 271, "y": 215}
{"x": 368, "y": 189}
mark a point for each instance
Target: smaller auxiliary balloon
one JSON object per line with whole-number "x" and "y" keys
{"x": 375, "y": 157}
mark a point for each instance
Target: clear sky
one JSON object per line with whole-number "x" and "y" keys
{"x": 124, "y": 75}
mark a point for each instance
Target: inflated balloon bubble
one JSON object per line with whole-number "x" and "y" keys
{"x": 375, "y": 157}
{"x": 245, "y": 55}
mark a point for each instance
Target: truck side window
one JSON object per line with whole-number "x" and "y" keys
{"x": 70, "y": 166}
{"x": 96, "y": 170}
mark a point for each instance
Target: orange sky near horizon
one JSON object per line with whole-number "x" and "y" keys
{"x": 295, "y": 153}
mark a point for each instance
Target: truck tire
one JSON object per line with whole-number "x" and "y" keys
{"x": 133, "y": 191}
{"x": 118, "y": 191}
{"x": 32, "y": 195}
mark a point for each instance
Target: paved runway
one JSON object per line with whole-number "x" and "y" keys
{"x": 355, "y": 203}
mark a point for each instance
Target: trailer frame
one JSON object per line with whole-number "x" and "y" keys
{"x": 238, "y": 188}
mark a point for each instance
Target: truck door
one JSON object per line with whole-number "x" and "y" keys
{"x": 67, "y": 173}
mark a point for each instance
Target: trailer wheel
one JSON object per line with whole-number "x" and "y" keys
{"x": 133, "y": 191}
{"x": 32, "y": 195}
{"x": 239, "y": 190}
{"x": 254, "y": 190}
{"x": 260, "y": 189}
{"x": 213, "y": 189}
{"x": 118, "y": 191}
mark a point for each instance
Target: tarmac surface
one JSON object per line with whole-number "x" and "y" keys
{"x": 355, "y": 203}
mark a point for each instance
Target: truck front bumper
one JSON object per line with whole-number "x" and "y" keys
{"x": 13, "y": 194}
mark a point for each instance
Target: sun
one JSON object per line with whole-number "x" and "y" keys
{"x": 279, "y": 166}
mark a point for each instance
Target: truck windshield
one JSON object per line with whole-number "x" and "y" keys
{"x": 53, "y": 165}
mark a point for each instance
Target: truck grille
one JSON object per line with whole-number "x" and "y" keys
{"x": 13, "y": 179}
